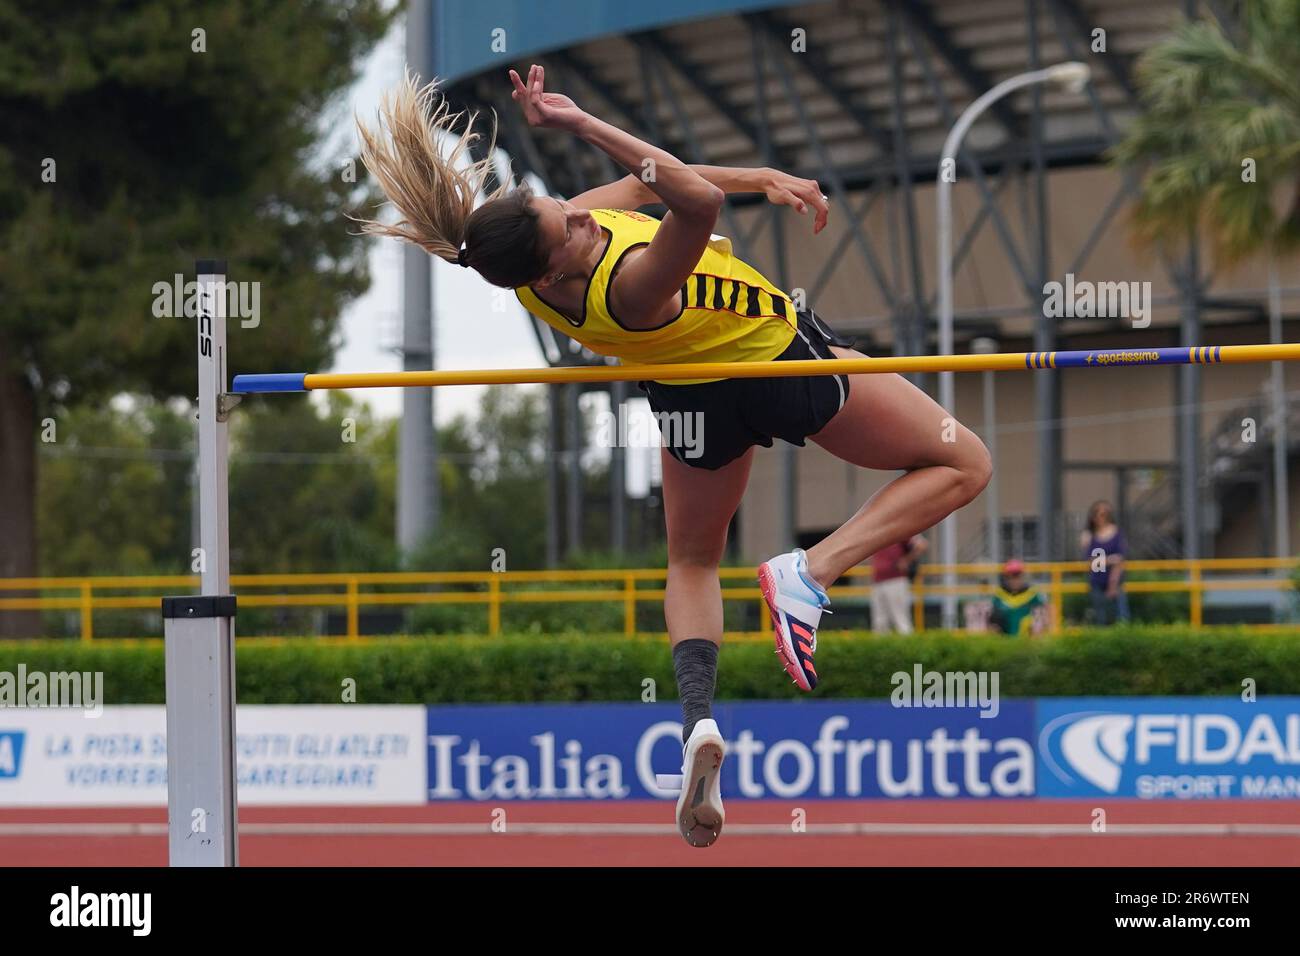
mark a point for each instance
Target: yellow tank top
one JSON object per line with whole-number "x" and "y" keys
{"x": 730, "y": 311}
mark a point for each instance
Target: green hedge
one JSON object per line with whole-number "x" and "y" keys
{"x": 573, "y": 667}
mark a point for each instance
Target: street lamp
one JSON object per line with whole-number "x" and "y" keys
{"x": 1072, "y": 77}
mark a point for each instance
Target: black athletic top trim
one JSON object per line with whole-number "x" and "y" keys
{"x": 609, "y": 287}
{"x": 579, "y": 323}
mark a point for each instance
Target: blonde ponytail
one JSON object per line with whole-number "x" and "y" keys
{"x": 434, "y": 196}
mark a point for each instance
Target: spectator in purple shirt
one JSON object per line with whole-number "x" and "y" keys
{"x": 1103, "y": 544}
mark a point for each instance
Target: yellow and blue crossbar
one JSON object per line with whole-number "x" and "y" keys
{"x": 997, "y": 362}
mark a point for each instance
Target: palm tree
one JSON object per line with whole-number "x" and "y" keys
{"x": 1219, "y": 140}
{"x": 1220, "y": 133}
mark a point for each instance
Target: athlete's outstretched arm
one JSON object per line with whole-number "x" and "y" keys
{"x": 680, "y": 188}
{"x": 626, "y": 193}
{"x": 780, "y": 188}
{"x": 647, "y": 287}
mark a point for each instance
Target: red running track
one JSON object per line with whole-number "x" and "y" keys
{"x": 641, "y": 833}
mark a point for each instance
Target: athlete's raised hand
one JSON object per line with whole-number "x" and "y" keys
{"x": 546, "y": 110}
{"x": 786, "y": 190}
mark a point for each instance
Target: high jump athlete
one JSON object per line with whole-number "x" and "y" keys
{"x": 648, "y": 291}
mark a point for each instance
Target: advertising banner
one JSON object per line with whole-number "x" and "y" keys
{"x": 804, "y": 750}
{"x": 1148, "y": 748}
{"x": 307, "y": 755}
{"x": 1181, "y": 748}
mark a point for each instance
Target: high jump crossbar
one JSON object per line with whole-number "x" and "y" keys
{"x": 199, "y": 630}
{"x": 997, "y": 362}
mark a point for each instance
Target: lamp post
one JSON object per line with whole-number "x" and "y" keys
{"x": 1071, "y": 76}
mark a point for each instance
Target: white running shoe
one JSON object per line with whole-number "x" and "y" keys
{"x": 699, "y": 807}
{"x": 794, "y": 602}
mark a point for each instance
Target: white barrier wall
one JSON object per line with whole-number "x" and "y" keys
{"x": 308, "y": 755}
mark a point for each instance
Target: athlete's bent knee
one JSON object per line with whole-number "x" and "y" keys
{"x": 975, "y": 469}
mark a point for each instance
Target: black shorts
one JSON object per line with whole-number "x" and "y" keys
{"x": 710, "y": 424}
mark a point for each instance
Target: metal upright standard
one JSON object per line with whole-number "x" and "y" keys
{"x": 199, "y": 630}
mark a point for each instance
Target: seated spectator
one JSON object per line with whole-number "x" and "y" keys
{"x": 1015, "y": 600}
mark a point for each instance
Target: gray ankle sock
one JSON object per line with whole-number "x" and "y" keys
{"x": 696, "y": 664}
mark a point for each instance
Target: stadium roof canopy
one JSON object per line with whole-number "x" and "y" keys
{"x": 690, "y": 70}
{"x": 857, "y": 94}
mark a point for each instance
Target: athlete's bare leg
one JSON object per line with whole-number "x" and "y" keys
{"x": 888, "y": 423}
{"x": 698, "y": 507}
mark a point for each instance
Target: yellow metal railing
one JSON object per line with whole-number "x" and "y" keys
{"x": 630, "y": 587}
